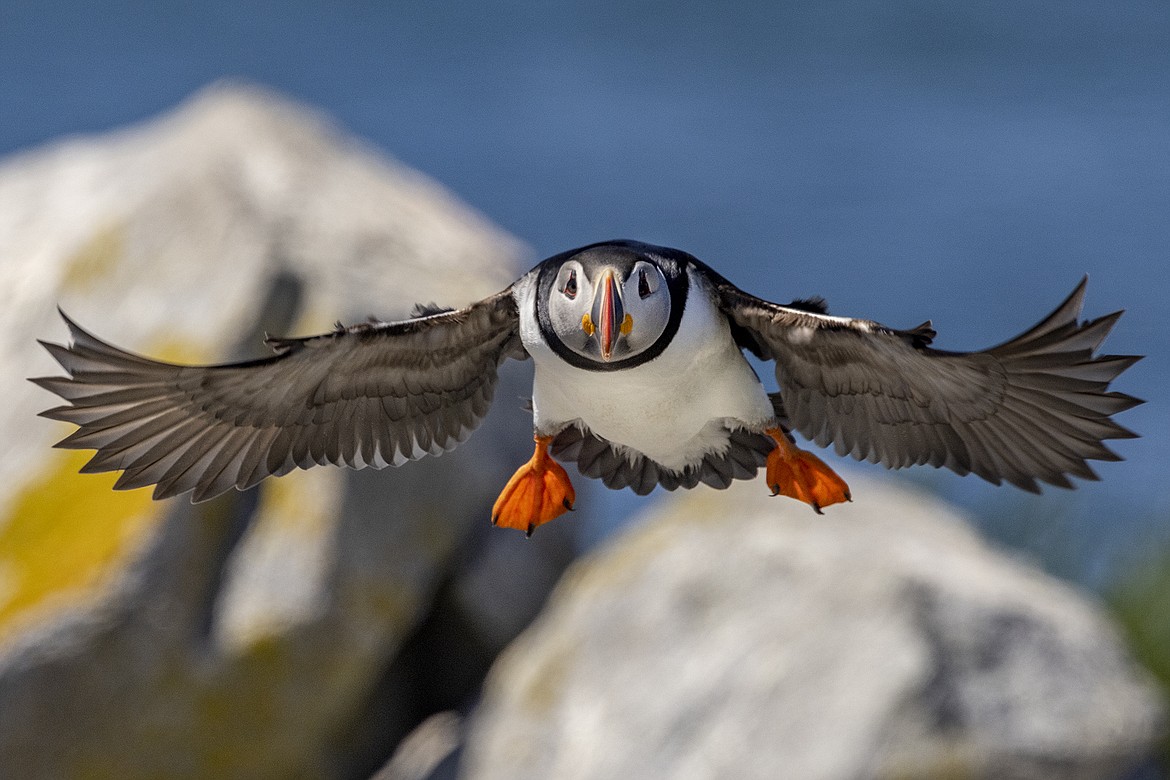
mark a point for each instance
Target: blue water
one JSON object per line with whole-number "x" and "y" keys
{"x": 966, "y": 162}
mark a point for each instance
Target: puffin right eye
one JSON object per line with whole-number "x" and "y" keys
{"x": 570, "y": 288}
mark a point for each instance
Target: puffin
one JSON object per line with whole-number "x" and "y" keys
{"x": 640, "y": 379}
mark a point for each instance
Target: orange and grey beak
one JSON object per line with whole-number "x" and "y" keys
{"x": 609, "y": 316}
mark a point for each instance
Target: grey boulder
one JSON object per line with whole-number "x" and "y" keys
{"x": 735, "y": 635}
{"x": 298, "y": 630}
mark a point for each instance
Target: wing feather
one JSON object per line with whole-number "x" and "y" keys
{"x": 618, "y": 467}
{"x": 373, "y": 394}
{"x": 1034, "y": 408}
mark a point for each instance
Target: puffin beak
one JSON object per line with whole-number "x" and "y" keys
{"x": 608, "y": 313}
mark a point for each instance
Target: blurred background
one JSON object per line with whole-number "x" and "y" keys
{"x": 965, "y": 162}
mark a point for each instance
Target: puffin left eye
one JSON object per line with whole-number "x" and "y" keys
{"x": 643, "y": 285}
{"x": 570, "y": 289}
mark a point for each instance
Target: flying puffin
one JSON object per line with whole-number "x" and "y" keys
{"x": 640, "y": 379}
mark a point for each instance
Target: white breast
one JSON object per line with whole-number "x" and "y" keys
{"x": 673, "y": 409}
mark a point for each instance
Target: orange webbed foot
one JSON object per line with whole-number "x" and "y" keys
{"x": 539, "y": 491}
{"x": 801, "y": 475}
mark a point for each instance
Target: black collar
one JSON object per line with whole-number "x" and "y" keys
{"x": 622, "y": 254}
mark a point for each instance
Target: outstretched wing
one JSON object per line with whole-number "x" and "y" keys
{"x": 372, "y": 394}
{"x": 1034, "y": 408}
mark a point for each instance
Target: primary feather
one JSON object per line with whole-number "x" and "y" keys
{"x": 373, "y": 394}
{"x": 1037, "y": 407}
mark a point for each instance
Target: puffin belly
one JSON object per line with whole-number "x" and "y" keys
{"x": 670, "y": 410}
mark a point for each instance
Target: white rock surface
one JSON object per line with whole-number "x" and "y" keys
{"x": 735, "y": 635}
{"x": 246, "y": 637}
{"x": 171, "y": 231}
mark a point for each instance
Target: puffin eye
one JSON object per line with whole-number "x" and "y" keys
{"x": 570, "y": 288}
{"x": 643, "y": 285}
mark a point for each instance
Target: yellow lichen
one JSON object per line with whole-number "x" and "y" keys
{"x": 304, "y": 502}
{"x": 96, "y": 259}
{"x": 179, "y": 351}
{"x": 65, "y": 534}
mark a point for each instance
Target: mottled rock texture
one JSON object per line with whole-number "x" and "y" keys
{"x": 286, "y": 632}
{"x": 735, "y": 635}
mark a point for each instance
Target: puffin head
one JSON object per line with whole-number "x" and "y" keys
{"x": 611, "y": 305}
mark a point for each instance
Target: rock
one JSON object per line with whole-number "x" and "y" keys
{"x": 427, "y": 751}
{"x": 735, "y": 635}
{"x": 249, "y": 636}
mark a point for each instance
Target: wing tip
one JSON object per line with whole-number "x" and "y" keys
{"x": 45, "y": 382}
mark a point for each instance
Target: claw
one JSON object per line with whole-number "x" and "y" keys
{"x": 539, "y": 491}
{"x": 801, "y": 475}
